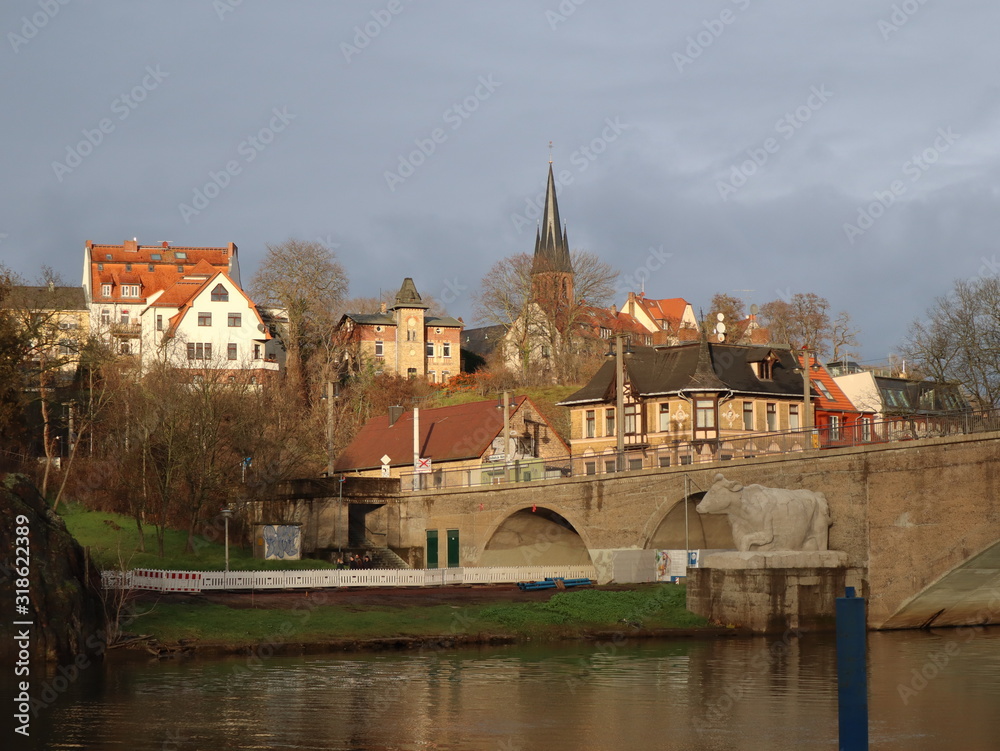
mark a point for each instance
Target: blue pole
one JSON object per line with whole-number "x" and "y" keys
{"x": 852, "y": 672}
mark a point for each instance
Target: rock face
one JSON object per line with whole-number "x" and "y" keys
{"x": 64, "y": 605}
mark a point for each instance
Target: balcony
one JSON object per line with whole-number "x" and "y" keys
{"x": 126, "y": 330}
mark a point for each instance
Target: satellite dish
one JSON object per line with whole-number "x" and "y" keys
{"x": 721, "y": 317}
{"x": 720, "y": 327}
{"x": 754, "y": 310}
{"x": 261, "y": 327}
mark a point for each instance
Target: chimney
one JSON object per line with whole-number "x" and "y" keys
{"x": 131, "y": 245}
{"x": 382, "y": 308}
{"x": 395, "y": 412}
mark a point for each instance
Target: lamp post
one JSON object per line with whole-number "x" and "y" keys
{"x": 226, "y": 513}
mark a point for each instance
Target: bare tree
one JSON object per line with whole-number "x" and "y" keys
{"x": 733, "y": 308}
{"x": 308, "y": 283}
{"x": 843, "y": 337}
{"x": 960, "y": 339}
{"x": 803, "y": 322}
{"x": 535, "y": 330}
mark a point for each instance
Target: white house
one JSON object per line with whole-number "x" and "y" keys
{"x": 206, "y": 322}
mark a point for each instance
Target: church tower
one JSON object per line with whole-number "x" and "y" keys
{"x": 552, "y": 269}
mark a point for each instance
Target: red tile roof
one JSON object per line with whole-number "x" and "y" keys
{"x": 667, "y": 309}
{"x": 113, "y": 259}
{"x": 838, "y": 401}
{"x": 462, "y": 431}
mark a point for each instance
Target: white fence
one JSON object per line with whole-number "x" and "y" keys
{"x": 201, "y": 581}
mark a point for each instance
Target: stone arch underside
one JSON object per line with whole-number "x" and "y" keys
{"x": 704, "y": 531}
{"x": 539, "y": 537}
{"x": 968, "y": 595}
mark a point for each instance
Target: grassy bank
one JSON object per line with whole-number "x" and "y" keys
{"x": 114, "y": 542}
{"x": 649, "y": 607}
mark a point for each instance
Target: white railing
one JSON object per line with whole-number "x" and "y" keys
{"x": 201, "y": 581}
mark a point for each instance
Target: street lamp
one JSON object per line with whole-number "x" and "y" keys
{"x": 226, "y": 513}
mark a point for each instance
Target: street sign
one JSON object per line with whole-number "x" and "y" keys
{"x": 385, "y": 470}
{"x": 423, "y": 466}
{"x": 386, "y": 458}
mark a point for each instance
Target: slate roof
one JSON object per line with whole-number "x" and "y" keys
{"x": 46, "y": 298}
{"x": 483, "y": 340}
{"x": 551, "y": 244}
{"x": 462, "y": 431}
{"x": 701, "y": 366}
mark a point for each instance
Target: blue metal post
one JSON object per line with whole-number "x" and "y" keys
{"x": 852, "y": 672}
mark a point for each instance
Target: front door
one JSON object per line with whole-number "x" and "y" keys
{"x": 452, "y": 548}
{"x": 431, "y": 553}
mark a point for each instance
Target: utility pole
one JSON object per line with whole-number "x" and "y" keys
{"x": 506, "y": 432}
{"x": 619, "y": 404}
{"x": 416, "y": 447}
{"x": 807, "y": 419}
{"x": 329, "y": 429}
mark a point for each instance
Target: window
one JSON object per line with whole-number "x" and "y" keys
{"x": 764, "y": 371}
{"x": 123, "y": 318}
{"x": 445, "y": 349}
{"x": 748, "y": 415}
{"x": 772, "y": 416}
{"x": 379, "y": 349}
{"x": 631, "y": 411}
{"x": 128, "y": 266}
{"x": 411, "y": 335}
{"x": 609, "y": 465}
{"x": 866, "y": 428}
{"x": 635, "y": 464}
{"x": 220, "y": 294}
{"x": 155, "y": 257}
{"x": 179, "y": 254}
{"x": 204, "y": 319}
{"x": 704, "y": 413}
{"x": 430, "y": 349}
{"x": 100, "y": 267}
{"x": 191, "y": 351}
{"x": 107, "y": 256}
{"x": 445, "y": 375}
{"x": 126, "y": 347}
{"x": 590, "y": 424}
{"x": 105, "y": 316}
{"x": 793, "y": 417}
{"x": 821, "y": 388}
{"x": 159, "y": 323}
{"x": 411, "y": 372}
{"x": 180, "y": 268}
{"x": 834, "y": 427}
{"x": 199, "y": 351}
{"x": 664, "y": 417}
{"x": 431, "y": 375}
{"x": 231, "y": 350}
{"x": 235, "y": 320}
{"x": 130, "y": 290}
{"x": 590, "y": 468}
{"x": 609, "y": 421}
{"x": 664, "y": 461}
{"x": 150, "y": 267}
{"x": 256, "y": 351}
{"x": 105, "y": 290}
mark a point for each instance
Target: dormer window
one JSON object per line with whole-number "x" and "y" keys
{"x": 105, "y": 290}
{"x": 763, "y": 365}
{"x": 220, "y": 294}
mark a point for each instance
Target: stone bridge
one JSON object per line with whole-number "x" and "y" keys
{"x": 920, "y": 518}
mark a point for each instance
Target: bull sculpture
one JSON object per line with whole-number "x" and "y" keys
{"x": 770, "y": 518}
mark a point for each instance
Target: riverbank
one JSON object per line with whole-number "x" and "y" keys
{"x": 405, "y": 619}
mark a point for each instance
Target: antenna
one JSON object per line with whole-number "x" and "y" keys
{"x": 550, "y": 152}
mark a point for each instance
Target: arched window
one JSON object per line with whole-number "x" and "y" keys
{"x": 220, "y": 294}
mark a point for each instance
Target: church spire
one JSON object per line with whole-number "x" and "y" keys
{"x": 551, "y": 245}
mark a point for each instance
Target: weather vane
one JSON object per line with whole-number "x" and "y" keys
{"x": 550, "y": 152}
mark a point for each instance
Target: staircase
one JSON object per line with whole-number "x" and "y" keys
{"x": 382, "y": 557}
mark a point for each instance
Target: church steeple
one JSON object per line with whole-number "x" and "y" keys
{"x": 551, "y": 245}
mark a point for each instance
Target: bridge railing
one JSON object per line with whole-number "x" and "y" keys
{"x": 735, "y": 445}
{"x": 205, "y": 581}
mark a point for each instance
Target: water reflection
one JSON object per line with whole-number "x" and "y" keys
{"x": 670, "y": 695}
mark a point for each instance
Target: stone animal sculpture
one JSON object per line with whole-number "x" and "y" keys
{"x": 765, "y": 518}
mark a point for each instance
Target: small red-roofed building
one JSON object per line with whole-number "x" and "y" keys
{"x": 837, "y": 420}
{"x": 463, "y": 442}
{"x": 670, "y": 320}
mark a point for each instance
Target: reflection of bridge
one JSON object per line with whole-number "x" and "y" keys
{"x": 921, "y": 517}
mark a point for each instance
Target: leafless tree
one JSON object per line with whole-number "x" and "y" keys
{"x": 843, "y": 337}
{"x": 959, "y": 340}
{"x": 803, "y": 322}
{"x": 308, "y": 283}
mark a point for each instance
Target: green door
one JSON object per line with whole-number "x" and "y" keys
{"x": 432, "y": 548}
{"x": 452, "y": 548}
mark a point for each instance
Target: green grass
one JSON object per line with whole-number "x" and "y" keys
{"x": 114, "y": 541}
{"x": 657, "y": 606}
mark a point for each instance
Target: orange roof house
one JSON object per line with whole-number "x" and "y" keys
{"x": 836, "y": 417}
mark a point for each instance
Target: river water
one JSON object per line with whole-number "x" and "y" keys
{"x": 938, "y": 690}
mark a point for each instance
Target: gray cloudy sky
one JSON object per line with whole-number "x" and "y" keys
{"x": 702, "y": 147}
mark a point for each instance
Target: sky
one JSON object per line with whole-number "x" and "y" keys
{"x": 759, "y": 148}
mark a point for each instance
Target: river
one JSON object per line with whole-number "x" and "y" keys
{"x": 938, "y": 690}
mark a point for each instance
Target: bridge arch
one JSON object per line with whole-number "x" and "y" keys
{"x": 699, "y": 532}
{"x": 532, "y": 535}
